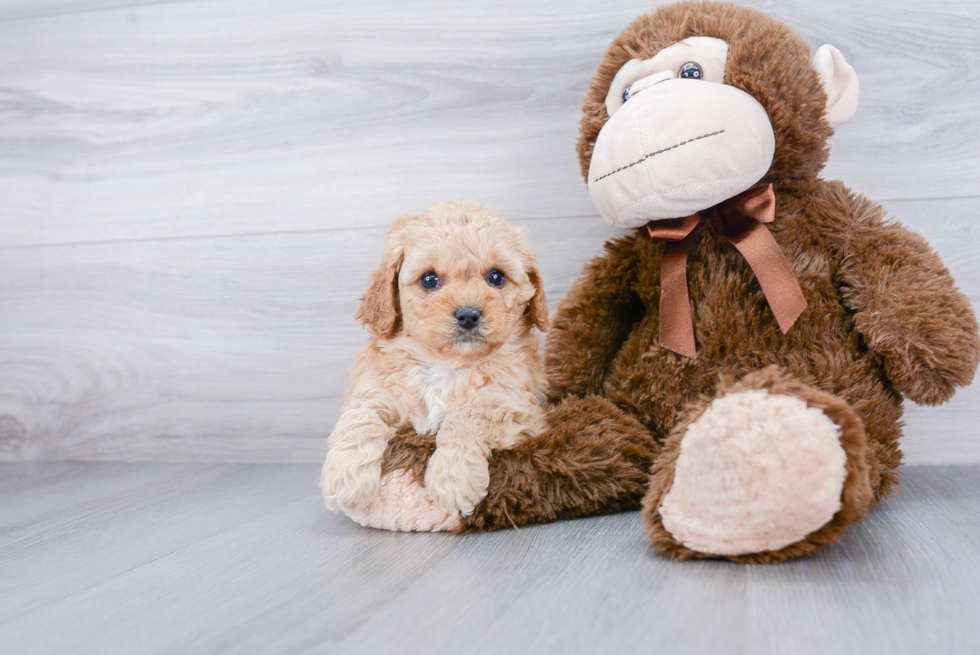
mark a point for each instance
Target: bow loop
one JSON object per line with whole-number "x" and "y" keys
{"x": 742, "y": 221}
{"x": 758, "y": 204}
{"x": 745, "y": 212}
{"x": 673, "y": 229}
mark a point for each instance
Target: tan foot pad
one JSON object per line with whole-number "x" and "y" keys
{"x": 756, "y": 472}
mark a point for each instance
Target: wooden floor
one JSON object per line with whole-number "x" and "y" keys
{"x": 211, "y": 558}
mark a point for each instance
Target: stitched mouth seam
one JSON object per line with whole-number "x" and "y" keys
{"x": 647, "y": 156}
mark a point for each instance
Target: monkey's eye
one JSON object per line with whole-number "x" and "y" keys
{"x": 430, "y": 281}
{"x": 626, "y": 94}
{"x": 691, "y": 71}
{"x": 495, "y": 278}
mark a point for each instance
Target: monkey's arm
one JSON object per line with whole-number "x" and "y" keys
{"x": 593, "y": 459}
{"x": 592, "y": 320}
{"x": 906, "y": 305}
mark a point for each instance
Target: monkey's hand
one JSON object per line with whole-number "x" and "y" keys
{"x": 907, "y": 307}
{"x": 402, "y": 504}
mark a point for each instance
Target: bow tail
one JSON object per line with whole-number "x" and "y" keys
{"x": 775, "y": 275}
{"x": 676, "y": 324}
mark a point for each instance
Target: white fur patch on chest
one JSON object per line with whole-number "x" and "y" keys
{"x": 434, "y": 385}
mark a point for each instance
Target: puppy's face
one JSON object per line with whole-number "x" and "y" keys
{"x": 467, "y": 281}
{"x": 463, "y": 291}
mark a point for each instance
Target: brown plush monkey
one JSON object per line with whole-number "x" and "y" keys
{"x": 751, "y": 342}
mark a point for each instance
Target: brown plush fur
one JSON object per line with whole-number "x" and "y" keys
{"x": 766, "y": 59}
{"x": 856, "y": 497}
{"x": 595, "y": 460}
{"x": 884, "y": 319}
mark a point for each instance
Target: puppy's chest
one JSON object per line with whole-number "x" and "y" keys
{"x": 438, "y": 391}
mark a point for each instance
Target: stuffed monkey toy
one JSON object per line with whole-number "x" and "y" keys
{"x": 737, "y": 363}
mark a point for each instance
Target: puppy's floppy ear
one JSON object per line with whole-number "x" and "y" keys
{"x": 538, "y": 307}
{"x": 380, "y": 311}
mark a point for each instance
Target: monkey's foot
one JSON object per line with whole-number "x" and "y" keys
{"x": 769, "y": 469}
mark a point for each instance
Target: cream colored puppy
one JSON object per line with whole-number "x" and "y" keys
{"x": 451, "y": 353}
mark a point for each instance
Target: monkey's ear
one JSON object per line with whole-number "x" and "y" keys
{"x": 839, "y": 81}
{"x": 538, "y": 306}
{"x": 380, "y": 311}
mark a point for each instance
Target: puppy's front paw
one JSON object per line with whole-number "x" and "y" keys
{"x": 456, "y": 479}
{"x": 350, "y": 478}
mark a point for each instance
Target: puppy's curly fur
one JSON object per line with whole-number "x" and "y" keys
{"x": 476, "y": 387}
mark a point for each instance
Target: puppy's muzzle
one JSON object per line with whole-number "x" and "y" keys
{"x": 468, "y": 317}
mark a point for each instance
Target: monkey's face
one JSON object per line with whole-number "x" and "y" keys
{"x": 678, "y": 140}
{"x": 682, "y": 127}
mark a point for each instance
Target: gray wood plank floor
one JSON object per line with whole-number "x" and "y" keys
{"x": 197, "y": 558}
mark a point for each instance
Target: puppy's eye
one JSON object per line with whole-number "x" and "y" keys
{"x": 495, "y": 278}
{"x": 626, "y": 94}
{"x": 691, "y": 71}
{"x": 430, "y": 281}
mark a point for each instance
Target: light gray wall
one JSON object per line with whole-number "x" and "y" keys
{"x": 193, "y": 193}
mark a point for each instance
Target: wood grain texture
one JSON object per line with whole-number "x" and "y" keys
{"x": 233, "y": 558}
{"x": 220, "y": 117}
{"x": 233, "y": 348}
{"x": 118, "y": 526}
{"x": 238, "y": 348}
{"x": 192, "y": 194}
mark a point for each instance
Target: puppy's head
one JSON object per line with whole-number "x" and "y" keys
{"x": 457, "y": 280}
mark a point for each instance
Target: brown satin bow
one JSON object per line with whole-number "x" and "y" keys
{"x": 741, "y": 220}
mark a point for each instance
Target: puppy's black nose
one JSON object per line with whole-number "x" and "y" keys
{"x": 468, "y": 317}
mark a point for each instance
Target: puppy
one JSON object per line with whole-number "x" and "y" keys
{"x": 451, "y": 353}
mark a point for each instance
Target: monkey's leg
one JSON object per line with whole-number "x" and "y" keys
{"x": 769, "y": 469}
{"x": 592, "y": 459}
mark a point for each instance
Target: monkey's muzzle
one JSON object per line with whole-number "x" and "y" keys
{"x": 678, "y": 147}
